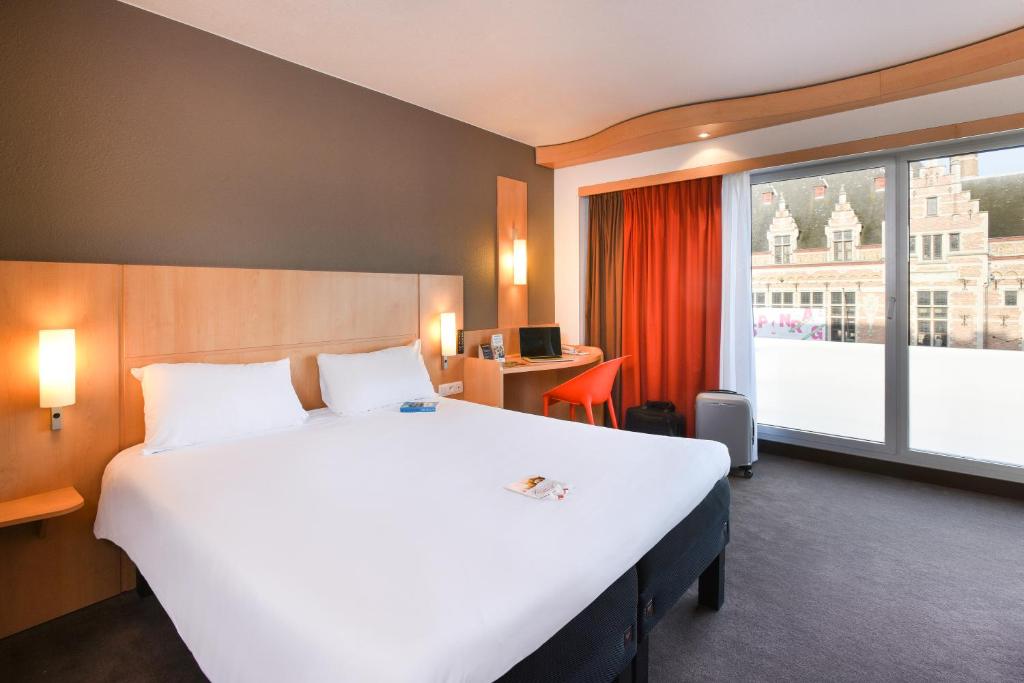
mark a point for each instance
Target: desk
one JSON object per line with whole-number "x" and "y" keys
{"x": 519, "y": 385}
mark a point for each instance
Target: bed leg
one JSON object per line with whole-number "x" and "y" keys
{"x": 711, "y": 585}
{"x": 142, "y": 588}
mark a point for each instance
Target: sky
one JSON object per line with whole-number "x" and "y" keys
{"x": 1001, "y": 161}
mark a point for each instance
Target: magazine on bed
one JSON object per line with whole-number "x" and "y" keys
{"x": 538, "y": 488}
{"x": 419, "y": 407}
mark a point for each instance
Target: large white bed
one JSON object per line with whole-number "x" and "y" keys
{"x": 383, "y": 547}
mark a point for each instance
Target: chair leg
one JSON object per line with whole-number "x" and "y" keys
{"x": 547, "y": 402}
{"x": 590, "y": 413}
{"x": 611, "y": 412}
{"x": 572, "y": 412}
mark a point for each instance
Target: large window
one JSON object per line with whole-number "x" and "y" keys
{"x": 966, "y": 365}
{"x": 893, "y": 318}
{"x": 818, "y": 248}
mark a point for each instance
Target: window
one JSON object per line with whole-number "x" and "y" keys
{"x": 1010, "y": 297}
{"x": 767, "y": 197}
{"x": 954, "y": 241}
{"x": 932, "y": 318}
{"x": 932, "y": 206}
{"x": 782, "y": 248}
{"x": 819, "y": 191}
{"x": 759, "y": 300}
{"x": 879, "y": 183}
{"x": 782, "y": 299}
{"x": 843, "y": 317}
{"x": 812, "y": 299}
{"x": 931, "y": 247}
{"x": 842, "y": 245}
{"x": 913, "y": 245}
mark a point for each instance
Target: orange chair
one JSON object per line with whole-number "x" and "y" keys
{"x": 586, "y": 389}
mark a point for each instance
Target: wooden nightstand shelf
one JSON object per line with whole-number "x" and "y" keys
{"x": 40, "y": 507}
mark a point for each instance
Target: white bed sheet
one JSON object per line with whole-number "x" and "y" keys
{"x": 382, "y": 547}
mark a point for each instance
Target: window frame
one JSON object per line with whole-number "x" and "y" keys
{"x": 897, "y": 296}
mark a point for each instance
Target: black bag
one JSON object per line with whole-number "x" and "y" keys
{"x": 656, "y": 417}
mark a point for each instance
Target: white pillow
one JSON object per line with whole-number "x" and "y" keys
{"x": 357, "y": 382}
{"x": 193, "y": 403}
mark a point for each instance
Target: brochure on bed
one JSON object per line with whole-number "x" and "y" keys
{"x": 382, "y": 548}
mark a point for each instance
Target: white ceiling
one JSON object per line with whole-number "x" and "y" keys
{"x": 547, "y": 71}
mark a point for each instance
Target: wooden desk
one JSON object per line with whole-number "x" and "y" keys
{"x": 520, "y": 385}
{"x": 40, "y": 507}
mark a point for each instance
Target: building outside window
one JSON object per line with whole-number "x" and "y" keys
{"x": 932, "y": 318}
{"x": 933, "y": 206}
{"x": 843, "y": 317}
{"x": 1010, "y": 297}
{"x": 931, "y": 247}
{"x": 913, "y": 245}
{"x": 954, "y": 241}
{"x": 759, "y": 300}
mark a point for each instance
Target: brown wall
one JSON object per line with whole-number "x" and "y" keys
{"x": 129, "y": 138}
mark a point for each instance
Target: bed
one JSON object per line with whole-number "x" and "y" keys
{"x": 383, "y": 547}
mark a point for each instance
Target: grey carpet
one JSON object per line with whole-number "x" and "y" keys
{"x": 832, "y": 575}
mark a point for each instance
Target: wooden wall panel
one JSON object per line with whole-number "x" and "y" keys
{"x": 513, "y": 300}
{"x": 173, "y": 310}
{"x": 41, "y": 578}
{"x": 438, "y": 294}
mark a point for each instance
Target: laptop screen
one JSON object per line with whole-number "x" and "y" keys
{"x": 535, "y": 342}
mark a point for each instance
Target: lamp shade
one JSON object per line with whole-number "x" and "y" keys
{"x": 519, "y": 262}
{"x": 448, "y": 334}
{"x": 56, "y": 368}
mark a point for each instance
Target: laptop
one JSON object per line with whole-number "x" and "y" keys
{"x": 541, "y": 344}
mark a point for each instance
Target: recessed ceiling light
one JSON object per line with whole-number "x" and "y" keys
{"x": 703, "y": 135}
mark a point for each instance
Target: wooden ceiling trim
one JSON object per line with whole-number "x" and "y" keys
{"x": 953, "y": 131}
{"x": 989, "y": 60}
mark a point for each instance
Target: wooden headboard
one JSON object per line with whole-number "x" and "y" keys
{"x": 228, "y": 315}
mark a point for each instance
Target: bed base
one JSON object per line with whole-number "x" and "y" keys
{"x": 598, "y": 649}
{"x": 609, "y": 640}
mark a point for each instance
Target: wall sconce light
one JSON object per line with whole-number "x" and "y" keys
{"x": 449, "y": 338}
{"x": 56, "y": 372}
{"x": 518, "y": 262}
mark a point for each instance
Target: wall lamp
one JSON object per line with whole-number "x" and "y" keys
{"x": 449, "y": 338}
{"x": 518, "y": 262}
{"x": 56, "y": 373}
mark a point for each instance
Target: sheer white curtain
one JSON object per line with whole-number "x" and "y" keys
{"x": 737, "y": 359}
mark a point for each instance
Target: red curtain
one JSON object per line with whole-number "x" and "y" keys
{"x": 672, "y": 292}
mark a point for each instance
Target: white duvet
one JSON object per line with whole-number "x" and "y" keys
{"x": 383, "y": 547}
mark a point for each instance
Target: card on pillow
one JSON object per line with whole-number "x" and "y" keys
{"x": 357, "y": 382}
{"x": 194, "y": 403}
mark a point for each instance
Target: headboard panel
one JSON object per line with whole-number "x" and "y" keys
{"x": 228, "y": 315}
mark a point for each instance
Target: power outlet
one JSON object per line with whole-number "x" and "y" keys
{"x": 450, "y": 388}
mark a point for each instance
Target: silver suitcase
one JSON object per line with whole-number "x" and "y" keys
{"x": 726, "y": 417}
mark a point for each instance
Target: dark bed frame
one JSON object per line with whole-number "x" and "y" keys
{"x": 608, "y": 641}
